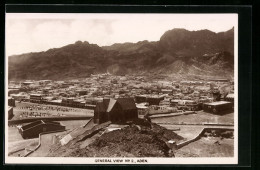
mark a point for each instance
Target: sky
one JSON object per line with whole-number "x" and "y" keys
{"x": 26, "y": 33}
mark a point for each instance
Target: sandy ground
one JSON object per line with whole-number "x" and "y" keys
{"x": 186, "y": 131}
{"x": 14, "y": 146}
{"x": 206, "y": 147}
{"x": 200, "y": 117}
{"x": 46, "y": 141}
{"x": 16, "y": 141}
{"x": 13, "y": 134}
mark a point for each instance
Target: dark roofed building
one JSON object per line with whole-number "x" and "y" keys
{"x": 140, "y": 99}
{"x": 11, "y": 102}
{"x": 10, "y": 113}
{"x": 154, "y": 100}
{"x": 36, "y": 98}
{"x": 33, "y": 129}
{"x": 219, "y": 107}
{"x": 119, "y": 110}
{"x": 151, "y": 99}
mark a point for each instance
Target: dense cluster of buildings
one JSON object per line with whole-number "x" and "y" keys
{"x": 149, "y": 96}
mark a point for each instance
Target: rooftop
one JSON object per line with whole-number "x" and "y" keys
{"x": 230, "y": 96}
{"x": 218, "y": 103}
{"x": 36, "y": 94}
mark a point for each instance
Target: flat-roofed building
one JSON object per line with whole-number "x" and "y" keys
{"x": 151, "y": 99}
{"x": 190, "y": 105}
{"x": 11, "y": 102}
{"x": 36, "y": 98}
{"x": 218, "y": 107}
{"x": 140, "y": 99}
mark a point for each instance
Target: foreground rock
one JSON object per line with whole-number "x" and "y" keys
{"x": 136, "y": 140}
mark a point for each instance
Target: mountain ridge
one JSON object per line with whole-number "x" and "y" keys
{"x": 178, "y": 52}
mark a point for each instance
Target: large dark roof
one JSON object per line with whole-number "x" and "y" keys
{"x": 108, "y": 104}
{"x": 38, "y": 122}
{"x": 126, "y": 103}
{"x": 101, "y": 107}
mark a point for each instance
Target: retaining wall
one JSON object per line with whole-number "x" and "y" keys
{"x": 171, "y": 114}
{"x": 39, "y": 144}
{"x": 180, "y": 145}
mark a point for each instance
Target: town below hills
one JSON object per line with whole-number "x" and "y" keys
{"x": 178, "y": 54}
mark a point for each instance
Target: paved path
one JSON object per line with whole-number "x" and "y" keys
{"x": 46, "y": 142}
{"x": 191, "y": 131}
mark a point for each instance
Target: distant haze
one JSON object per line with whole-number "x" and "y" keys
{"x": 40, "y": 32}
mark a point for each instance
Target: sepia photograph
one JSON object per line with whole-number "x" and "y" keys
{"x": 121, "y": 88}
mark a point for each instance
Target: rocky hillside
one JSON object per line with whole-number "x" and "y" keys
{"x": 135, "y": 140}
{"x": 179, "y": 52}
